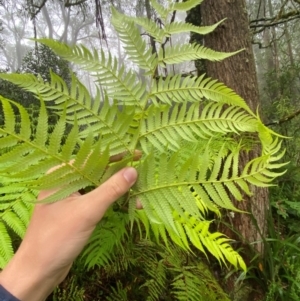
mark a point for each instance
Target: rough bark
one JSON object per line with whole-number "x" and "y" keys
{"x": 238, "y": 73}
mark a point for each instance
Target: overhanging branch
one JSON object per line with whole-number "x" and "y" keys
{"x": 69, "y": 4}
{"x": 269, "y": 22}
{"x": 285, "y": 119}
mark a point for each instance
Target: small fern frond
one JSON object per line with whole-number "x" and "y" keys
{"x": 186, "y": 287}
{"x": 119, "y": 293}
{"x": 189, "y": 52}
{"x": 14, "y": 216}
{"x": 180, "y": 27}
{"x": 157, "y": 282}
{"x": 6, "y": 250}
{"x": 107, "y": 235}
{"x": 201, "y": 283}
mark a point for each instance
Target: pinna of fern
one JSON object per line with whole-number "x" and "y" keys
{"x": 191, "y": 131}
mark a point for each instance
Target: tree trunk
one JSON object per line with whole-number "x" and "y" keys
{"x": 238, "y": 73}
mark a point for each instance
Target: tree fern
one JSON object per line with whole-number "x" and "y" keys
{"x": 191, "y": 130}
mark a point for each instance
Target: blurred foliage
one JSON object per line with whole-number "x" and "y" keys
{"x": 143, "y": 270}
{"x": 277, "y": 272}
{"x": 38, "y": 61}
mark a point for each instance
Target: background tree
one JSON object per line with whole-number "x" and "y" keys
{"x": 239, "y": 73}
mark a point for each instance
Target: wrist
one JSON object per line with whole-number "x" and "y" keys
{"x": 25, "y": 280}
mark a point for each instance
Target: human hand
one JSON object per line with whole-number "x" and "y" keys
{"x": 55, "y": 236}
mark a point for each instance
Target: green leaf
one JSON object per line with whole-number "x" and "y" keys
{"x": 189, "y": 52}
{"x": 180, "y": 27}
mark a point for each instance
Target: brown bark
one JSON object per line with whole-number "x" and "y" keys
{"x": 238, "y": 73}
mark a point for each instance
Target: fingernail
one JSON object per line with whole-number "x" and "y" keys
{"x": 130, "y": 175}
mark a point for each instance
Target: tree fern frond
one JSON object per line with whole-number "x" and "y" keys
{"x": 180, "y": 27}
{"x": 161, "y": 11}
{"x": 14, "y": 216}
{"x": 14, "y": 222}
{"x": 186, "y": 287}
{"x": 191, "y": 124}
{"x": 163, "y": 191}
{"x": 180, "y": 89}
{"x": 149, "y": 26}
{"x": 190, "y": 163}
{"x": 186, "y": 5}
{"x": 118, "y": 293}
{"x": 6, "y": 250}
{"x": 115, "y": 80}
{"x": 134, "y": 45}
{"x": 107, "y": 235}
{"x": 157, "y": 282}
{"x": 29, "y": 156}
{"x": 188, "y": 52}
{"x": 97, "y": 115}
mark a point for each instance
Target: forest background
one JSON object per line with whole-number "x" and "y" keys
{"x": 266, "y": 75}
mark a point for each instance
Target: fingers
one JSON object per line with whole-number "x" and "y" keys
{"x": 136, "y": 156}
{"x": 96, "y": 202}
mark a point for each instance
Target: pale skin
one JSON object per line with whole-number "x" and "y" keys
{"x": 56, "y": 235}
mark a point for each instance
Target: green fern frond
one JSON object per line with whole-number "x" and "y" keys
{"x": 163, "y": 188}
{"x": 185, "y": 5}
{"x": 161, "y": 10}
{"x": 118, "y": 83}
{"x": 26, "y": 163}
{"x": 163, "y": 129}
{"x": 188, "y": 52}
{"x": 6, "y": 250}
{"x": 118, "y": 293}
{"x": 156, "y": 284}
{"x": 190, "y": 164}
{"x": 186, "y": 287}
{"x": 180, "y": 27}
{"x": 95, "y": 115}
{"x": 178, "y": 89}
{"x": 14, "y": 216}
{"x": 200, "y": 280}
{"x": 134, "y": 45}
{"x": 107, "y": 235}
{"x": 151, "y": 27}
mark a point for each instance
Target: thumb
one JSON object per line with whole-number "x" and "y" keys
{"x": 102, "y": 197}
